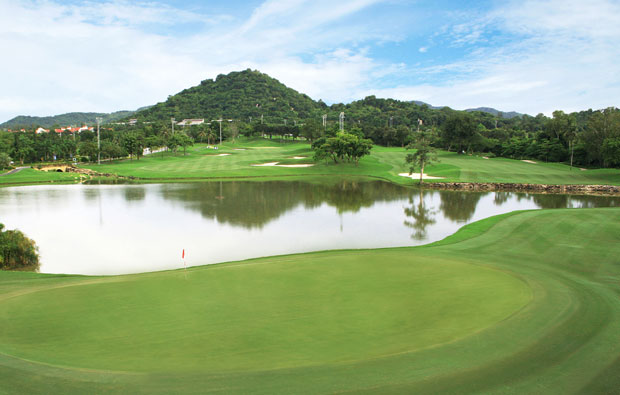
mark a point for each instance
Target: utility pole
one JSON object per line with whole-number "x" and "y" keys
{"x": 220, "y": 122}
{"x": 342, "y": 121}
{"x": 98, "y": 141}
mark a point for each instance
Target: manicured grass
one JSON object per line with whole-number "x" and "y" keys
{"x": 522, "y": 303}
{"x": 31, "y": 176}
{"x": 385, "y": 163}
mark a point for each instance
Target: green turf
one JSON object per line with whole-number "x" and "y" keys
{"x": 31, "y": 176}
{"x": 526, "y": 302}
{"x": 385, "y": 163}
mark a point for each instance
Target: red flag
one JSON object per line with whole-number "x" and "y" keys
{"x": 183, "y": 254}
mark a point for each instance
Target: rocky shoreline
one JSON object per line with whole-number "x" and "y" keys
{"x": 611, "y": 190}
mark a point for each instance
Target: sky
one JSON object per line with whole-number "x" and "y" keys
{"x": 104, "y": 56}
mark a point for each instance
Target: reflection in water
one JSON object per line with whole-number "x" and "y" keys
{"x": 501, "y": 198}
{"x": 253, "y": 204}
{"x": 421, "y": 215}
{"x": 459, "y": 207}
{"x": 111, "y": 229}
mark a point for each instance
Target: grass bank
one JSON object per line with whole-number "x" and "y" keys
{"x": 522, "y": 303}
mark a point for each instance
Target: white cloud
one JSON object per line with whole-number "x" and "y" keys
{"x": 107, "y": 57}
{"x": 527, "y": 56}
{"x": 562, "y": 55}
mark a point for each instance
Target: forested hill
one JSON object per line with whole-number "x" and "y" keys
{"x": 72, "y": 118}
{"x": 237, "y": 95}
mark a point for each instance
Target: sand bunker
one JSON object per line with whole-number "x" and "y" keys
{"x": 264, "y": 147}
{"x": 276, "y": 164}
{"x": 299, "y": 157}
{"x": 485, "y": 157}
{"x": 221, "y": 155}
{"x": 239, "y": 149}
{"x": 528, "y": 161}
{"x": 416, "y": 176}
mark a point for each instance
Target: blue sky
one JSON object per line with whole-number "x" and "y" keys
{"x": 526, "y": 56}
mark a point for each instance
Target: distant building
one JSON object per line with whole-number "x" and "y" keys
{"x": 41, "y": 130}
{"x": 191, "y": 122}
{"x": 133, "y": 121}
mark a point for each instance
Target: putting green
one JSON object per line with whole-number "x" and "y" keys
{"x": 268, "y": 314}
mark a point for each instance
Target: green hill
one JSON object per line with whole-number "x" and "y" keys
{"x": 238, "y": 95}
{"x": 71, "y": 118}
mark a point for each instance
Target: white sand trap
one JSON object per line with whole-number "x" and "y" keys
{"x": 582, "y": 169}
{"x": 264, "y": 147}
{"x": 299, "y": 157}
{"x": 528, "y": 161}
{"x": 239, "y": 149}
{"x": 485, "y": 157}
{"x": 276, "y": 164}
{"x": 416, "y": 176}
{"x": 221, "y": 155}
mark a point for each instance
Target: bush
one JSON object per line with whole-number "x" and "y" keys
{"x": 17, "y": 252}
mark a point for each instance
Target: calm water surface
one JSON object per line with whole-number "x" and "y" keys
{"x": 118, "y": 229}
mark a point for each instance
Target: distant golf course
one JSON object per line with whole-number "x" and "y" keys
{"x": 240, "y": 160}
{"x": 525, "y": 302}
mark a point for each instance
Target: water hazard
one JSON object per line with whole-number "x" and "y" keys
{"x": 118, "y": 229}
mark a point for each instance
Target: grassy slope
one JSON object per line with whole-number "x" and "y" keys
{"x": 31, "y": 176}
{"x": 522, "y": 303}
{"x": 386, "y": 163}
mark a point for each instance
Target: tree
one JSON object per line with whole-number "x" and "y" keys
{"x": 5, "y": 160}
{"x": 17, "y": 251}
{"x": 311, "y": 130}
{"x": 342, "y": 147}
{"x": 89, "y": 149}
{"x": 134, "y": 145}
{"x": 424, "y": 154}
{"x": 460, "y": 128}
{"x": 184, "y": 141}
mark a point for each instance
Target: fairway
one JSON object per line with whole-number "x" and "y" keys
{"x": 512, "y": 304}
{"x": 246, "y": 159}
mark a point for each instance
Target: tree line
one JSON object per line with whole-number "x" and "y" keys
{"x": 586, "y": 138}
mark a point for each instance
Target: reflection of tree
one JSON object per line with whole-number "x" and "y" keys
{"x": 134, "y": 193}
{"x": 501, "y": 198}
{"x": 569, "y": 201}
{"x": 459, "y": 206}
{"x": 551, "y": 201}
{"x": 252, "y": 204}
{"x": 422, "y": 217}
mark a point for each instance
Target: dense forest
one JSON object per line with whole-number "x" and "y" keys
{"x": 252, "y": 103}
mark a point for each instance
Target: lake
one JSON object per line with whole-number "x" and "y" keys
{"x": 120, "y": 229}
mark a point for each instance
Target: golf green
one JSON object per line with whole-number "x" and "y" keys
{"x": 268, "y": 314}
